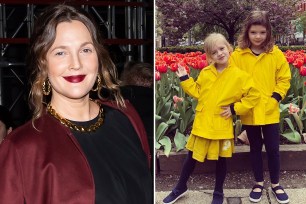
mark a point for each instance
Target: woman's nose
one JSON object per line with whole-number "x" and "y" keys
{"x": 75, "y": 62}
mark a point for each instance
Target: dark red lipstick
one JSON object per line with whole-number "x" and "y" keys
{"x": 75, "y": 78}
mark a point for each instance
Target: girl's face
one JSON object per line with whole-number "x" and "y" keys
{"x": 72, "y": 61}
{"x": 257, "y": 35}
{"x": 220, "y": 54}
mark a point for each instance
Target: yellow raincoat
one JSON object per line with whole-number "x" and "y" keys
{"x": 214, "y": 90}
{"x": 271, "y": 73}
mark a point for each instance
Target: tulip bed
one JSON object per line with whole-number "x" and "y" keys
{"x": 175, "y": 110}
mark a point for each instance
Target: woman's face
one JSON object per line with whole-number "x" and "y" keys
{"x": 257, "y": 35}
{"x": 72, "y": 61}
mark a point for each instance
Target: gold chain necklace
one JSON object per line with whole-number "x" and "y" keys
{"x": 79, "y": 128}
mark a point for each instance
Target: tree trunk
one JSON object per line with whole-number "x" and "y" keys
{"x": 231, "y": 36}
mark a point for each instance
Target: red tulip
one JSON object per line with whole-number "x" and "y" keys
{"x": 290, "y": 59}
{"x": 162, "y": 68}
{"x": 173, "y": 67}
{"x": 157, "y": 76}
{"x": 202, "y": 64}
{"x": 203, "y": 56}
{"x": 303, "y": 71}
{"x": 298, "y": 62}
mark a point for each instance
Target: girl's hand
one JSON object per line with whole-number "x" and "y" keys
{"x": 181, "y": 71}
{"x": 226, "y": 112}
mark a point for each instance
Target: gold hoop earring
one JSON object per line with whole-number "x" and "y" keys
{"x": 46, "y": 87}
{"x": 99, "y": 83}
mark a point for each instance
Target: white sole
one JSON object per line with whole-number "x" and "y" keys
{"x": 255, "y": 200}
{"x": 280, "y": 201}
{"x": 176, "y": 198}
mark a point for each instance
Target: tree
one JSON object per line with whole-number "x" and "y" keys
{"x": 300, "y": 23}
{"x": 179, "y": 16}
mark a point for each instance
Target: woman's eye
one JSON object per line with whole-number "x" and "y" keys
{"x": 87, "y": 50}
{"x": 59, "y": 53}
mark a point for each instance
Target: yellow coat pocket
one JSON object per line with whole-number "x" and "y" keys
{"x": 220, "y": 123}
{"x": 271, "y": 106}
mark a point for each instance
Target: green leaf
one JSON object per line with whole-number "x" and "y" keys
{"x": 189, "y": 117}
{"x": 182, "y": 126}
{"x": 179, "y": 141}
{"x": 289, "y": 123}
{"x": 238, "y": 127}
{"x": 293, "y": 136}
{"x": 157, "y": 145}
{"x": 298, "y": 122}
{"x": 160, "y": 102}
{"x": 171, "y": 122}
{"x": 166, "y": 143}
{"x": 175, "y": 115}
{"x": 161, "y": 129}
{"x": 166, "y": 109}
{"x": 157, "y": 117}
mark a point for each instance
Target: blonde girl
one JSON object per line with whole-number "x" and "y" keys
{"x": 222, "y": 90}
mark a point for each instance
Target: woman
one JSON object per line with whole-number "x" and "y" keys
{"x": 75, "y": 150}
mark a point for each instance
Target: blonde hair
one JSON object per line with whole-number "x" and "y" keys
{"x": 210, "y": 42}
{"x": 43, "y": 37}
{"x": 256, "y": 18}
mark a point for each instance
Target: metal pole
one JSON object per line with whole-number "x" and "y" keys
{"x": 1, "y": 21}
{"x": 4, "y": 29}
{"x": 1, "y": 86}
{"x": 128, "y": 29}
{"x": 113, "y": 22}
{"x": 109, "y": 24}
{"x": 141, "y": 28}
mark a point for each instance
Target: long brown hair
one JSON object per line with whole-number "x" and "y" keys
{"x": 256, "y": 18}
{"x": 43, "y": 37}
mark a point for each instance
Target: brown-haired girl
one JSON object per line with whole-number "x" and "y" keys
{"x": 257, "y": 55}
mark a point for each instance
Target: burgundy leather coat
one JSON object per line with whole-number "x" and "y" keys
{"x": 35, "y": 166}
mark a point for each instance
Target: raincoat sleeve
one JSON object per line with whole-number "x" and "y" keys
{"x": 250, "y": 97}
{"x": 282, "y": 76}
{"x": 11, "y": 190}
{"x": 191, "y": 87}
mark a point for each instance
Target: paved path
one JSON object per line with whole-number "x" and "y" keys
{"x": 234, "y": 196}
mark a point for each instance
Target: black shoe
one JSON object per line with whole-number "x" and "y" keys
{"x": 255, "y": 197}
{"x": 174, "y": 196}
{"x": 280, "y": 197}
{"x": 217, "y": 198}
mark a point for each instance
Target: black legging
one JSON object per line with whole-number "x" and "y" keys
{"x": 188, "y": 168}
{"x": 269, "y": 136}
